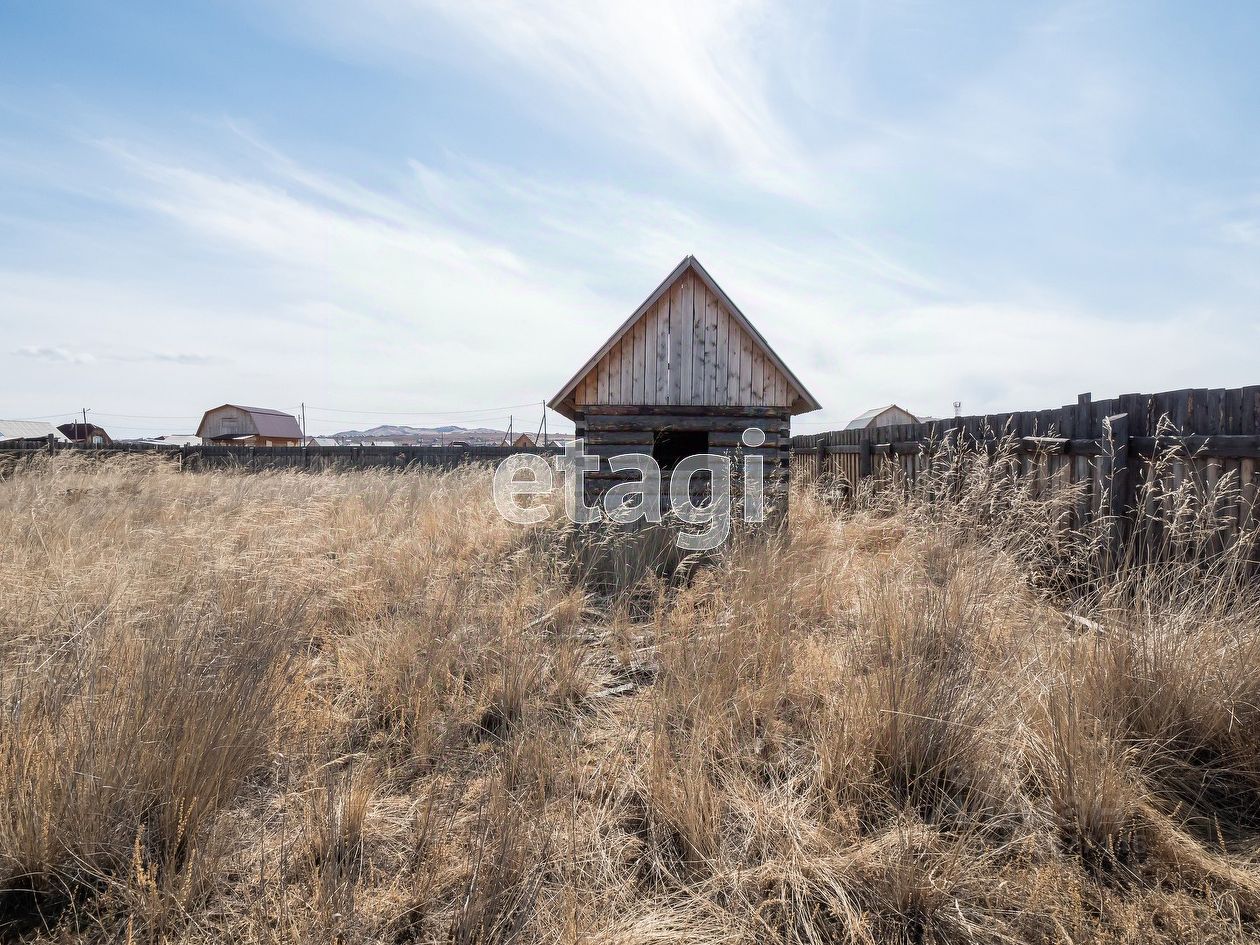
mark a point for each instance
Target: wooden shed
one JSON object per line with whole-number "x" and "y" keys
{"x": 686, "y": 373}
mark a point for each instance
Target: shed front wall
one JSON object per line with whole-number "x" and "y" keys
{"x": 688, "y": 350}
{"x": 613, "y": 431}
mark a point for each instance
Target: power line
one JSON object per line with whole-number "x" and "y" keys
{"x": 817, "y": 422}
{"x": 489, "y": 422}
{"x": 479, "y": 415}
{"x": 309, "y": 407}
{"x": 141, "y": 416}
{"x": 115, "y": 428}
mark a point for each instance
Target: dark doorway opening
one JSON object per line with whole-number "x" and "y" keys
{"x": 670, "y": 447}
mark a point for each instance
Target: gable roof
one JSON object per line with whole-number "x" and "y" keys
{"x": 267, "y": 422}
{"x": 30, "y": 430}
{"x": 562, "y": 402}
{"x": 80, "y": 431}
{"x": 863, "y": 420}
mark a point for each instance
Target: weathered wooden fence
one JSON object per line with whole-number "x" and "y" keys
{"x": 1109, "y": 449}
{"x": 314, "y": 459}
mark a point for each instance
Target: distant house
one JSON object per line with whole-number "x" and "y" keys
{"x": 881, "y": 417}
{"x": 85, "y": 434}
{"x": 232, "y": 424}
{"x": 315, "y": 442}
{"x": 170, "y": 440}
{"x": 524, "y": 441}
{"x": 29, "y": 431}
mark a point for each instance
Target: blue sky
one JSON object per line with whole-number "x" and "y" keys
{"x": 429, "y": 211}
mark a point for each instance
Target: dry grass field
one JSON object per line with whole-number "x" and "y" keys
{"x": 362, "y": 708}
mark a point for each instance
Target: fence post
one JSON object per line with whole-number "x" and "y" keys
{"x": 1116, "y": 430}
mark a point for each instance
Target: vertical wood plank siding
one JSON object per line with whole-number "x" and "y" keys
{"x": 687, "y": 350}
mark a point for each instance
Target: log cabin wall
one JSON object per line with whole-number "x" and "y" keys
{"x": 611, "y": 430}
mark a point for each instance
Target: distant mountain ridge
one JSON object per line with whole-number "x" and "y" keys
{"x": 400, "y": 433}
{"x": 432, "y": 436}
{"x": 390, "y": 429}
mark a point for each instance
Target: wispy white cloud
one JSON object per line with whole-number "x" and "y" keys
{"x": 60, "y": 355}
{"x": 689, "y": 82}
{"x": 1239, "y": 221}
{"x": 55, "y": 353}
{"x": 387, "y": 262}
{"x": 168, "y": 357}
{"x": 418, "y": 276}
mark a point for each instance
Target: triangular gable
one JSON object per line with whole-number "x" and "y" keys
{"x": 688, "y": 344}
{"x": 872, "y": 417}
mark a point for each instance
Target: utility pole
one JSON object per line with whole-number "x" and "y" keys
{"x": 303, "y": 423}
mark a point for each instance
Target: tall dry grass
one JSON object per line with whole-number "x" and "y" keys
{"x": 362, "y": 708}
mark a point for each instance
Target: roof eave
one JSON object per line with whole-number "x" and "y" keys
{"x": 566, "y": 407}
{"x": 564, "y": 392}
{"x": 802, "y": 393}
